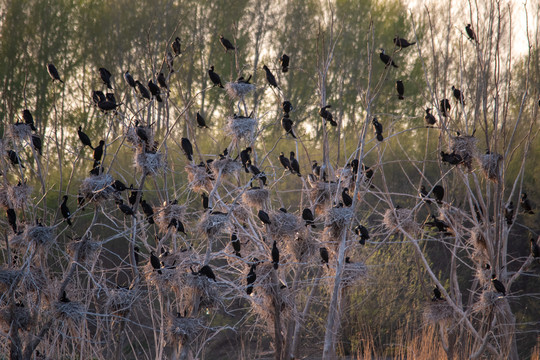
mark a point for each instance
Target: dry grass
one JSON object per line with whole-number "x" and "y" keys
{"x": 19, "y": 195}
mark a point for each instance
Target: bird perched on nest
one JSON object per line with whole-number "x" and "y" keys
{"x": 105, "y": 77}
{"x": 53, "y": 73}
{"x": 498, "y": 285}
{"x": 263, "y": 216}
{"x": 377, "y": 126}
{"x": 284, "y": 62}
{"x": 438, "y": 193}
{"x": 526, "y": 204}
{"x": 28, "y": 119}
{"x": 452, "y": 158}
{"x": 429, "y": 118}
{"x": 275, "y": 255}
{"x": 227, "y": 45}
{"x": 65, "y": 210}
{"x": 206, "y": 270}
{"x": 270, "y": 77}
{"x": 386, "y": 59}
{"x": 327, "y": 115}
{"x": 402, "y": 43}
{"x": 214, "y": 77}
{"x": 363, "y": 232}
{"x": 437, "y": 296}
{"x": 307, "y": 216}
{"x": 470, "y": 33}
{"x": 178, "y": 224}
{"x": 347, "y": 200}
{"x": 246, "y": 158}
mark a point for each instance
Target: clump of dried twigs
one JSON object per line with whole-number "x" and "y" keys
{"x": 19, "y": 195}
{"x": 256, "y": 198}
{"x": 9, "y": 278}
{"x": 322, "y": 193}
{"x": 134, "y": 139}
{"x": 72, "y": 310}
{"x": 97, "y": 188}
{"x": 86, "y": 250}
{"x": 241, "y": 128}
{"x": 488, "y": 299}
{"x": 354, "y": 273}
{"x": 437, "y": 311}
{"x": 240, "y": 212}
{"x": 478, "y": 241}
{"x": 120, "y": 301}
{"x": 19, "y": 131}
{"x": 451, "y": 216}
{"x": 4, "y": 197}
{"x": 15, "y": 316}
{"x": 284, "y": 224}
{"x": 393, "y": 218}
{"x": 464, "y": 146}
{"x": 237, "y": 90}
{"x": 196, "y": 286}
{"x": 39, "y": 235}
{"x": 212, "y": 224}
{"x": 199, "y": 179}
{"x": 164, "y": 215}
{"x": 184, "y": 329}
{"x": 491, "y": 166}
{"x": 164, "y": 278}
{"x": 34, "y": 279}
{"x": 302, "y": 248}
{"x": 149, "y": 163}
{"x": 225, "y": 166}
{"x": 337, "y": 220}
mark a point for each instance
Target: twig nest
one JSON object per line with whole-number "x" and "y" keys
{"x": 491, "y": 166}
{"x": 18, "y": 241}
{"x": 284, "y": 224}
{"x": 39, "y": 235}
{"x": 337, "y": 220}
{"x": 164, "y": 215}
{"x": 256, "y": 198}
{"x": 134, "y": 139}
{"x": 478, "y": 241}
{"x": 200, "y": 287}
{"x": 451, "y": 216}
{"x": 226, "y": 166}
{"x": 4, "y": 202}
{"x": 437, "y": 311}
{"x": 19, "y": 195}
{"x": 241, "y": 128}
{"x": 184, "y": 329}
{"x": 164, "y": 278}
{"x": 19, "y": 131}
{"x": 400, "y": 217}
{"x": 87, "y": 250}
{"x": 212, "y": 224}
{"x": 199, "y": 179}
{"x": 34, "y": 279}
{"x": 18, "y": 316}
{"x": 240, "y": 212}
{"x": 149, "y": 163}
{"x": 120, "y": 301}
{"x": 237, "y": 90}
{"x": 354, "y": 273}
{"x": 488, "y": 299}
{"x": 302, "y": 248}
{"x": 72, "y": 310}
{"x": 9, "y": 278}
{"x": 345, "y": 175}
{"x": 322, "y": 193}
{"x": 97, "y": 188}
{"x": 464, "y": 146}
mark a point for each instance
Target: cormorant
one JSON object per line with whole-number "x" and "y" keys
{"x": 53, "y": 72}
{"x": 452, "y": 159}
{"x": 14, "y": 158}
{"x": 98, "y": 151}
{"x": 437, "y": 296}
{"x": 235, "y": 242}
{"x": 378, "y": 129}
{"x": 105, "y": 76}
{"x": 458, "y": 95}
{"x": 327, "y": 115}
{"x": 287, "y": 123}
{"x": 201, "y": 123}
{"x": 85, "y": 140}
{"x": 535, "y": 249}
{"x": 38, "y": 145}
{"x": 498, "y": 285}
{"x": 284, "y": 62}
{"x": 429, "y": 118}
{"x": 438, "y": 193}
{"x": 295, "y": 166}
{"x": 133, "y": 195}
{"x": 65, "y": 210}
{"x": 386, "y": 59}
{"x": 246, "y": 158}
{"x": 119, "y": 185}
{"x": 275, "y": 255}
{"x": 216, "y": 80}
{"x": 204, "y": 201}
{"x": 285, "y": 162}
{"x": 12, "y": 219}
{"x": 324, "y": 255}
{"x": 400, "y": 89}
{"x": 148, "y": 211}
{"x": 129, "y": 79}
{"x": 524, "y": 202}
{"x": 64, "y": 298}
{"x": 402, "y": 43}
{"x": 445, "y": 107}
{"x": 154, "y": 261}
{"x": 470, "y": 33}
{"x": 126, "y": 209}
{"x": 287, "y": 106}
{"x": 424, "y": 195}
{"x": 226, "y": 43}
{"x": 28, "y": 119}
{"x": 187, "y": 148}
{"x": 155, "y": 90}
{"x": 363, "y": 232}
{"x": 257, "y": 174}
{"x": 206, "y": 270}
{"x": 251, "y": 277}
{"x": 162, "y": 81}
{"x": 509, "y": 213}
{"x": 308, "y": 217}
{"x": 270, "y": 77}
{"x": 347, "y": 200}
{"x": 263, "y": 216}
{"x": 176, "y": 46}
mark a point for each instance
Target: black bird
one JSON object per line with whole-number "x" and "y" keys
{"x": 287, "y": 123}
{"x": 295, "y": 166}
{"x": 386, "y": 59}
{"x": 438, "y": 193}
{"x": 65, "y": 210}
{"x": 119, "y": 185}
{"x": 108, "y": 105}
{"x": 400, "y": 89}
{"x": 155, "y": 90}
{"x": 429, "y": 118}
{"x": 53, "y": 72}
{"x": 126, "y": 209}
{"x": 452, "y": 159}
{"x": 363, "y": 232}
{"x": 201, "y": 123}
{"x": 445, "y": 107}
{"x": 142, "y": 90}
{"x": 424, "y": 195}
{"x": 98, "y": 151}
{"x": 524, "y": 202}
{"x": 324, "y": 255}
{"x": 129, "y": 79}
{"x": 12, "y": 219}
{"x": 498, "y": 285}
{"x": 402, "y": 43}
{"x": 270, "y": 77}
{"x": 316, "y": 169}
{"x": 187, "y": 148}
{"x": 251, "y": 277}
{"x": 14, "y": 158}
{"x": 64, "y": 298}
{"x": 162, "y": 81}
{"x": 509, "y": 213}
{"x": 214, "y": 77}
{"x": 458, "y": 95}
{"x": 327, "y": 115}
{"x": 284, "y": 62}
{"x": 235, "y": 242}
{"x": 98, "y": 96}
{"x": 176, "y": 46}
{"x": 227, "y": 45}
{"x": 28, "y": 119}
{"x": 178, "y": 225}
{"x": 257, "y": 174}
{"x": 205, "y": 201}
{"x": 141, "y": 133}
{"x": 470, "y": 33}
{"x": 439, "y": 224}
{"x": 535, "y": 249}
{"x": 287, "y": 106}
{"x": 246, "y": 158}
{"x": 437, "y": 296}
{"x": 148, "y": 211}
{"x": 347, "y": 200}
{"x": 132, "y": 199}
{"x": 37, "y": 143}
{"x": 308, "y": 217}
{"x": 285, "y": 162}
{"x": 137, "y": 254}
{"x": 263, "y": 216}
{"x": 154, "y": 261}
{"x": 275, "y": 255}
{"x": 105, "y": 76}
{"x": 96, "y": 169}
{"x": 377, "y": 126}
{"x": 85, "y": 140}
{"x": 206, "y": 270}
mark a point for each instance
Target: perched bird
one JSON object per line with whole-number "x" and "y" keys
{"x": 235, "y": 242}
{"x": 363, "y": 232}
{"x": 205, "y": 201}
{"x": 126, "y": 209}
{"x": 498, "y": 285}
{"x": 438, "y": 193}
{"x": 214, "y": 77}
{"x": 246, "y": 158}
{"x": 437, "y": 296}
{"x": 129, "y": 79}
{"x": 96, "y": 169}
{"x": 324, "y": 255}
{"x": 294, "y": 165}
{"x": 378, "y": 129}
{"x": 14, "y": 158}
{"x": 98, "y": 151}
{"x": 439, "y": 224}
{"x": 132, "y": 199}
{"x": 251, "y": 277}
{"x": 316, "y": 169}
{"x": 347, "y": 200}
{"x": 400, "y": 89}
{"x": 526, "y": 204}
{"x": 64, "y": 298}
{"x": 187, "y": 148}
{"x": 270, "y": 77}
{"x": 141, "y": 133}
{"x": 287, "y": 106}
{"x": 470, "y": 33}
{"x": 257, "y": 174}
{"x": 178, "y": 225}
{"x": 386, "y": 59}
{"x": 12, "y": 219}
{"x": 227, "y": 45}
{"x": 201, "y": 123}
{"x": 154, "y": 261}
{"x": 108, "y": 105}
{"x": 119, "y": 185}
{"x": 53, "y": 73}
{"x": 307, "y": 216}
{"x": 509, "y": 213}
{"x": 402, "y": 43}
{"x": 287, "y": 123}
{"x": 37, "y": 144}
{"x": 176, "y": 46}
{"x": 284, "y": 62}
{"x": 452, "y": 158}
{"x": 445, "y": 107}
{"x": 285, "y": 162}
{"x": 142, "y": 90}
{"x": 155, "y": 90}
{"x": 85, "y": 140}
{"x": 65, "y": 210}
{"x": 458, "y": 95}
{"x": 429, "y": 118}
{"x": 206, "y": 270}
{"x": 28, "y": 119}
{"x": 162, "y": 82}
{"x": 275, "y": 255}
{"x": 327, "y": 115}
{"x": 148, "y": 211}
{"x": 263, "y": 216}
{"x": 106, "y": 77}
{"x": 424, "y": 195}
{"x": 535, "y": 249}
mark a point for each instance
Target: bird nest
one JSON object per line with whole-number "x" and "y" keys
{"x": 120, "y": 301}
{"x": 19, "y": 131}
{"x": 87, "y": 250}
{"x": 149, "y": 163}
{"x": 72, "y": 310}
{"x": 487, "y": 300}
{"x": 225, "y": 166}
{"x": 478, "y": 241}
{"x": 19, "y": 195}
{"x": 337, "y": 220}
{"x": 212, "y": 224}
{"x": 199, "y": 287}
{"x": 256, "y": 198}
{"x": 302, "y": 249}
{"x": 241, "y": 128}
{"x": 345, "y": 175}
{"x": 491, "y": 166}
{"x": 40, "y": 235}
{"x": 238, "y": 90}
{"x": 4, "y": 198}
{"x": 9, "y": 278}
{"x": 464, "y": 146}
{"x": 482, "y": 274}
{"x": 240, "y": 212}
{"x": 353, "y": 273}
{"x": 437, "y": 311}
{"x": 184, "y": 329}
{"x": 133, "y": 138}
{"x": 198, "y": 178}
{"x": 322, "y": 193}
{"x": 166, "y": 278}
{"x": 284, "y": 224}
{"x": 452, "y": 216}
{"x": 15, "y": 316}
{"x": 34, "y": 279}
{"x": 97, "y": 188}
{"x": 393, "y": 218}
{"x": 165, "y": 214}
